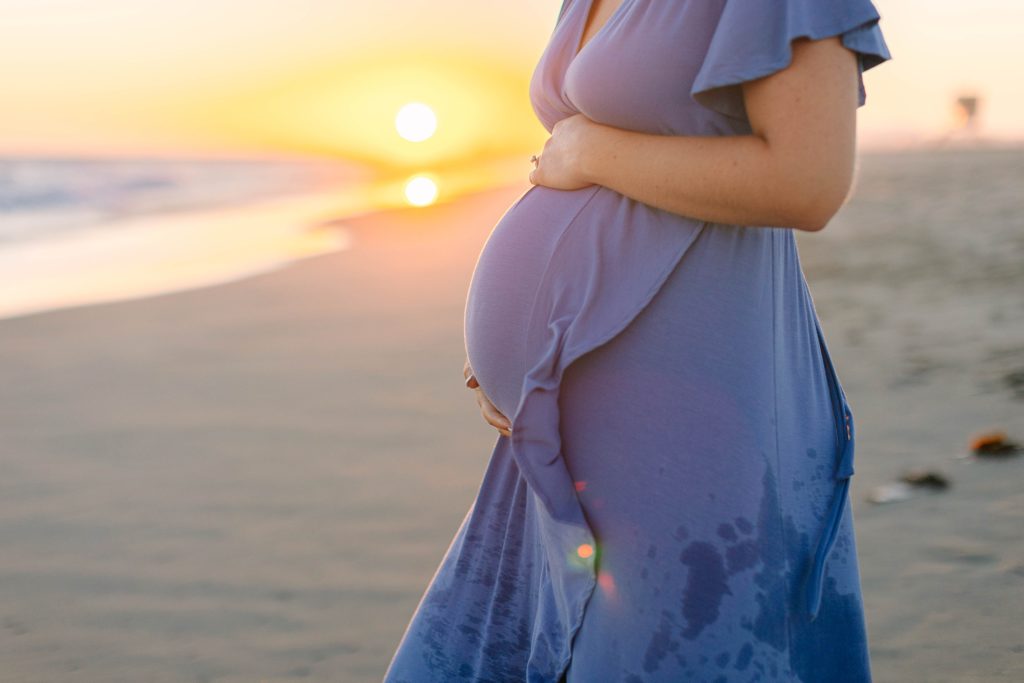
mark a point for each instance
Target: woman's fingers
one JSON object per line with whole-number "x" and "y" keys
{"x": 467, "y": 372}
{"x": 492, "y": 415}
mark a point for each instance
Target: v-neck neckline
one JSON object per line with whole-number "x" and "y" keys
{"x": 588, "y": 5}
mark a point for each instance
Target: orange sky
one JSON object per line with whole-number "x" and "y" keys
{"x": 230, "y": 77}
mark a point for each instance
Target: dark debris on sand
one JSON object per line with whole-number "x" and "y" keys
{"x": 994, "y": 444}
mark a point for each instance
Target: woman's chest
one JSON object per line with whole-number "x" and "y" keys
{"x": 635, "y": 70}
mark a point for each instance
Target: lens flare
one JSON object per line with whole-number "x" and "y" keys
{"x": 421, "y": 190}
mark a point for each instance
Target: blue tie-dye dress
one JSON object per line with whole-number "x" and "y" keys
{"x": 673, "y": 502}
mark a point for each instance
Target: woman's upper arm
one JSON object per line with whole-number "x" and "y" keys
{"x": 807, "y": 114}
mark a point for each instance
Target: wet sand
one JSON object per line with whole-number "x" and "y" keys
{"x": 256, "y": 481}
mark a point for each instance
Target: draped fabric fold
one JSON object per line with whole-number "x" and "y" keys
{"x": 842, "y": 473}
{"x": 593, "y": 287}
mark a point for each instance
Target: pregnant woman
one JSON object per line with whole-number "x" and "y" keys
{"x": 667, "y": 499}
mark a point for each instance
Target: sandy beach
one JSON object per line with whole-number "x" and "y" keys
{"x": 255, "y": 481}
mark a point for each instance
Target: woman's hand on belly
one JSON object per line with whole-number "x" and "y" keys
{"x": 559, "y": 164}
{"x": 492, "y": 415}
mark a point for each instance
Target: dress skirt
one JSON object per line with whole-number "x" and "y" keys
{"x": 706, "y": 493}
{"x": 703, "y": 444}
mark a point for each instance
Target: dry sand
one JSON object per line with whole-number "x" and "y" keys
{"x": 256, "y": 481}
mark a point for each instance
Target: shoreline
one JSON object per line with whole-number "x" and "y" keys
{"x": 164, "y": 253}
{"x": 182, "y": 251}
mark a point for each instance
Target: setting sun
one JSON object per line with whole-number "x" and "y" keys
{"x": 416, "y": 122}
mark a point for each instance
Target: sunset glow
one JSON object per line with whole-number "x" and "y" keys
{"x": 332, "y": 79}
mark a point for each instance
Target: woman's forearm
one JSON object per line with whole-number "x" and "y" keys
{"x": 736, "y": 180}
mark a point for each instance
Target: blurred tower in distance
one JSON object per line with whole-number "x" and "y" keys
{"x": 965, "y": 127}
{"x": 967, "y": 108}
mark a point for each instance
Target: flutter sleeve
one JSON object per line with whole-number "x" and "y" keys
{"x": 752, "y": 40}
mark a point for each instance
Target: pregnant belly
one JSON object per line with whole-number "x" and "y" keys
{"x": 504, "y": 286}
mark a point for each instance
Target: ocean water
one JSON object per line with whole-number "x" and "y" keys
{"x": 42, "y": 198}
{"x": 82, "y": 231}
